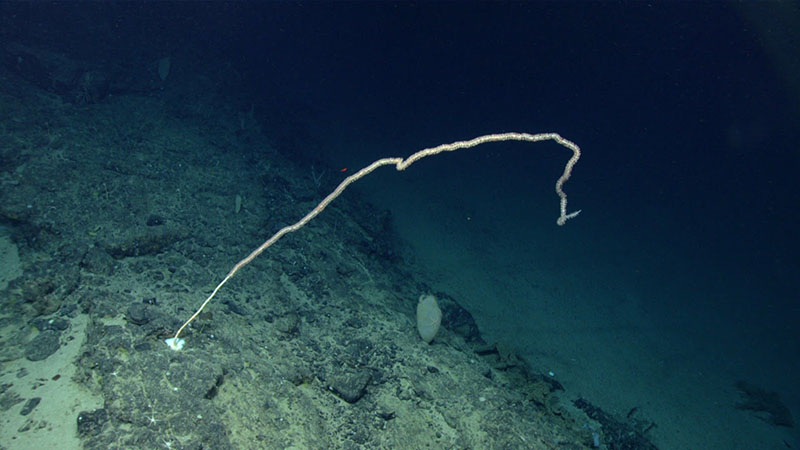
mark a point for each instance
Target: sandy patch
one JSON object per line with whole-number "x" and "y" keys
{"x": 52, "y": 424}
